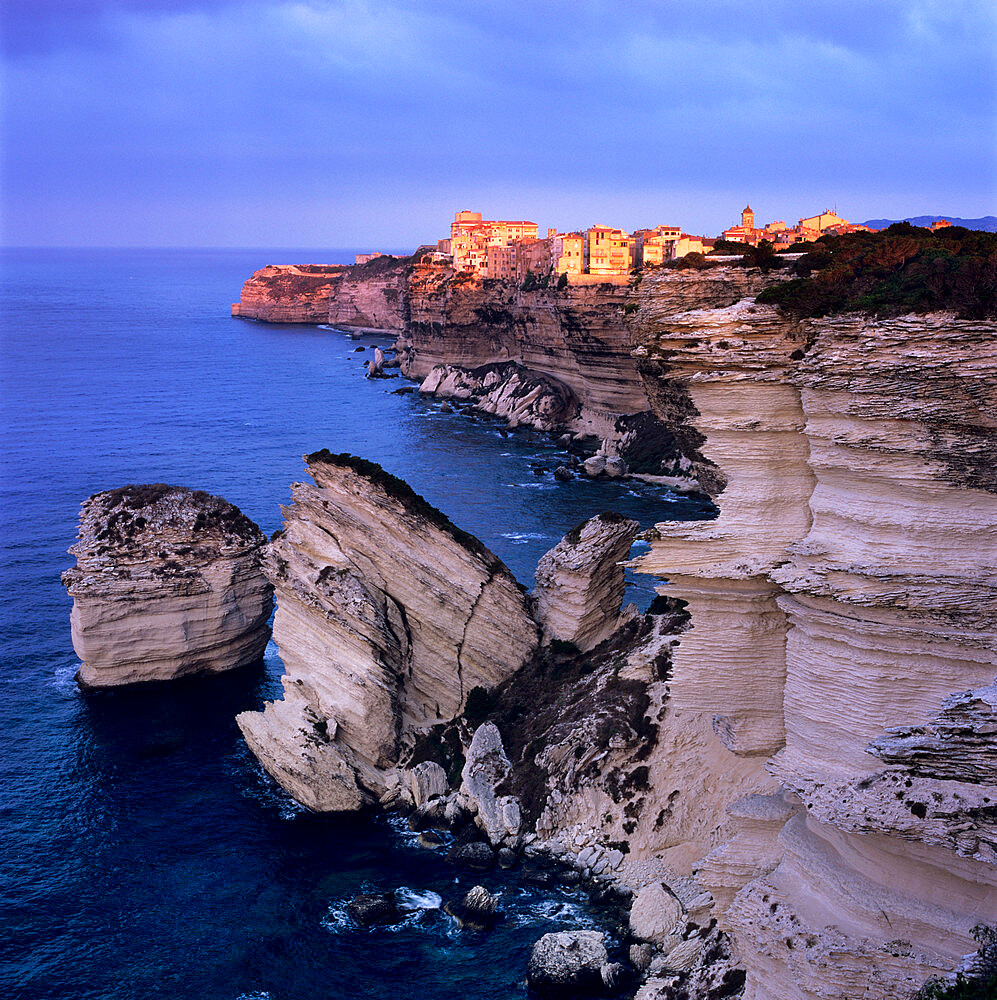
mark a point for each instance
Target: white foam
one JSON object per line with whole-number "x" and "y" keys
{"x": 417, "y": 899}
{"x": 529, "y": 536}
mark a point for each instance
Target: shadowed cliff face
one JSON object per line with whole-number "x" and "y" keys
{"x": 845, "y": 590}
{"x": 815, "y": 743}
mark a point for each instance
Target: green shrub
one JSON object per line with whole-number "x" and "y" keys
{"x": 903, "y": 269}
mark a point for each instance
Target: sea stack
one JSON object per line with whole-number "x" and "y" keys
{"x": 388, "y": 617}
{"x": 167, "y": 584}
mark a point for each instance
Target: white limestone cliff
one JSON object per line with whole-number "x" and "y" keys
{"x": 167, "y": 584}
{"x": 843, "y": 610}
{"x": 388, "y": 617}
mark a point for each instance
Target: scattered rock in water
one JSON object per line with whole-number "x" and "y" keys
{"x": 429, "y": 814}
{"x": 357, "y": 350}
{"x": 567, "y": 961}
{"x": 403, "y": 390}
{"x": 540, "y": 470}
{"x": 371, "y": 909}
{"x": 168, "y": 583}
{"x": 477, "y": 856}
{"x": 477, "y": 910}
{"x": 595, "y": 466}
{"x": 563, "y": 474}
{"x": 615, "y": 467}
{"x": 446, "y": 408}
{"x": 506, "y": 858}
{"x": 430, "y": 839}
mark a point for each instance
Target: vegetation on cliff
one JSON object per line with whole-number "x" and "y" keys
{"x": 902, "y": 269}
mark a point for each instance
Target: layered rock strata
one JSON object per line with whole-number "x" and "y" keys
{"x": 580, "y": 582}
{"x": 289, "y": 293}
{"x": 565, "y": 353}
{"x": 167, "y": 584}
{"x": 841, "y": 632}
{"x": 388, "y": 617}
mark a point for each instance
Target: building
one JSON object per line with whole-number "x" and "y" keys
{"x": 608, "y": 251}
{"x": 363, "y": 258}
{"x": 655, "y": 246}
{"x": 501, "y": 262}
{"x": 568, "y": 253}
{"x": 780, "y": 236}
{"x": 826, "y": 220}
{"x": 471, "y": 236}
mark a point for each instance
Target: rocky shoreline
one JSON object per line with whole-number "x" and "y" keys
{"x": 786, "y": 763}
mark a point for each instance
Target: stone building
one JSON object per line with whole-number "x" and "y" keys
{"x": 608, "y": 251}
{"x": 471, "y": 236}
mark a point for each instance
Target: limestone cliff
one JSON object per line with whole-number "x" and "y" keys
{"x": 388, "y": 617}
{"x": 289, "y": 293}
{"x": 167, "y": 583}
{"x": 841, "y": 639}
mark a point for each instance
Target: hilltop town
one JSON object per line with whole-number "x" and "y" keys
{"x": 512, "y": 249}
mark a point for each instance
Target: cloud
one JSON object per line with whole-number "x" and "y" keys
{"x": 120, "y": 116}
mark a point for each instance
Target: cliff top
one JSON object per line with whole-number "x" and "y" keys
{"x": 902, "y": 269}
{"x": 399, "y": 490}
{"x": 173, "y": 528}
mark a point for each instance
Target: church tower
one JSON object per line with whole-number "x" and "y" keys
{"x": 748, "y": 218}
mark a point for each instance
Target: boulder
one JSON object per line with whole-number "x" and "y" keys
{"x": 168, "y": 583}
{"x": 595, "y": 466}
{"x": 615, "y": 467}
{"x": 370, "y": 909}
{"x": 654, "y": 914}
{"x": 426, "y": 781}
{"x": 476, "y": 910}
{"x": 684, "y": 955}
{"x": 641, "y": 956}
{"x": 567, "y": 962}
{"x": 485, "y": 768}
{"x": 476, "y": 856}
{"x": 563, "y": 474}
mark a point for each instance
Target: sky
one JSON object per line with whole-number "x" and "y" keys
{"x": 348, "y": 123}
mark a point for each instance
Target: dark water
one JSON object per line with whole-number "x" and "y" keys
{"x": 144, "y": 854}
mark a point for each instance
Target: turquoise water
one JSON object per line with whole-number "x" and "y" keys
{"x": 144, "y": 853}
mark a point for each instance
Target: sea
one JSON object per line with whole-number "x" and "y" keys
{"x": 143, "y": 852}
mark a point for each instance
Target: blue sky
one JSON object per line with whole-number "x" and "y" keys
{"x": 354, "y": 123}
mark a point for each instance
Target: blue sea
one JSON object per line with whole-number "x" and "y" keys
{"x": 143, "y": 852}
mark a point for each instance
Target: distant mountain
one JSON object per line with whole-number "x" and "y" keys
{"x": 988, "y": 223}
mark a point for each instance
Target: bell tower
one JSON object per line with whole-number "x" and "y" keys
{"x": 748, "y": 218}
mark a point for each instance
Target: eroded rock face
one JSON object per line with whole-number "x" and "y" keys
{"x": 580, "y": 582}
{"x": 388, "y": 616}
{"x": 289, "y": 293}
{"x": 167, "y": 584}
{"x": 845, "y": 578}
{"x": 506, "y": 390}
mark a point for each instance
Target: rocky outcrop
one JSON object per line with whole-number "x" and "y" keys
{"x": 508, "y": 391}
{"x": 485, "y": 771}
{"x": 841, "y": 634}
{"x": 289, "y": 293}
{"x": 388, "y": 617}
{"x": 580, "y": 582}
{"x": 167, "y": 584}
{"x": 567, "y": 962}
